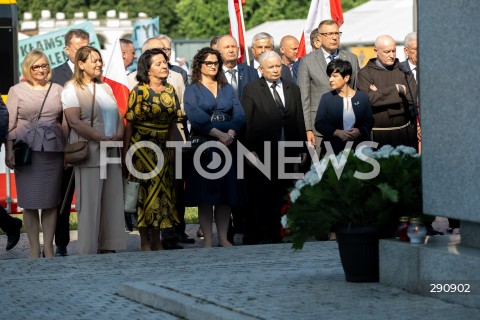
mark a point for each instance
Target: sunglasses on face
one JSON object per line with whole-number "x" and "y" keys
{"x": 211, "y": 63}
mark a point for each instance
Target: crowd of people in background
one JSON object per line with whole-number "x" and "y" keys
{"x": 324, "y": 100}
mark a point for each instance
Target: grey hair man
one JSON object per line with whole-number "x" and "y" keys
{"x": 410, "y": 49}
{"x": 167, "y": 48}
{"x": 261, "y": 43}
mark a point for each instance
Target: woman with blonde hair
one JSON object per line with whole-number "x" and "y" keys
{"x": 35, "y": 119}
{"x": 99, "y": 199}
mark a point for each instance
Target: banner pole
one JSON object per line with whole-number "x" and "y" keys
{"x": 247, "y": 56}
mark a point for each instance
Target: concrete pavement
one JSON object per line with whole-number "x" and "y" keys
{"x": 241, "y": 282}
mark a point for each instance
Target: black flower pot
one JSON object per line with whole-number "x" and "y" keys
{"x": 358, "y": 247}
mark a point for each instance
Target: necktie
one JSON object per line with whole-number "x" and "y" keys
{"x": 234, "y": 79}
{"x": 332, "y": 57}
{"x": 276, "y": 96}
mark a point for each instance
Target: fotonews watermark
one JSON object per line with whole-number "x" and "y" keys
{"x": 220, "y": 160}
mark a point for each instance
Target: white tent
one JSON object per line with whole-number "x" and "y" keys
{"x": 362, "y": 24}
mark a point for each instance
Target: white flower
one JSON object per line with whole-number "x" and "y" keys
{"x": 300, "y": 184}
{"x": 294, "y": 194}
{"x": 385, "y": 151}
{"x": 284, "y": 221}
{"x": 406, "y": 150}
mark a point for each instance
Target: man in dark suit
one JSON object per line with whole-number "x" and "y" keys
{"x": 263, "y": 42}
{"x": 273, "y": 111}
{"x": 288, "y": 50}
{"x": 410, "y": 49}
{"x": 312, "y": 77}
{"x": 74, "y": 40}
{"x": 167, "y": 48}
{"x": 238, "y": 75}
{"x": 243, "y": 74}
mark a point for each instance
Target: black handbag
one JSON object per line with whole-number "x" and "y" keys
{"x": 22, "y": 153}
{"x": 22, "y": 150}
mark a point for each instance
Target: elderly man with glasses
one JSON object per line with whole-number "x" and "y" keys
{"x": 312, "y": 77}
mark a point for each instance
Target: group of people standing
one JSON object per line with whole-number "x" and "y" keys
{"x": 324, "y": 99}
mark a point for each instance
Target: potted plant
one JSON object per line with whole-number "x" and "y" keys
{"x": 355, "y": 194}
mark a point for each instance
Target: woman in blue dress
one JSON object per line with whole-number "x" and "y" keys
{"x": 214, "y": 112}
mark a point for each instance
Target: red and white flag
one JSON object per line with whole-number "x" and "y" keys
{"x": 237, "y": 29}
{"x": 116, "y": 77}
{"x": 319, "y": 10}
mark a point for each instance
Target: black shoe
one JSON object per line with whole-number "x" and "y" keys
{"x": 61, "y": 251}
{"x": 13, "y": 236}
{"x": 199, "y": 233}
{"x": 170, "y": 245}
{"x": 183, "y": 238}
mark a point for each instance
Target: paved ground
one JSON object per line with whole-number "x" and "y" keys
{"x": 242, "y": 282}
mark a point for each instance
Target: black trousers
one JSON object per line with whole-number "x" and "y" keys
{"x": 62, "y": 230}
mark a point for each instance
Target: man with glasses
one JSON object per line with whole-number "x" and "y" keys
{"x": 312, "y": 77}
{"x": 74, "y": 40}
{"x": 167, "y": 48}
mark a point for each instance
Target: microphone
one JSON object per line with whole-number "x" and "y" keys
{"x": 404, "y": 69}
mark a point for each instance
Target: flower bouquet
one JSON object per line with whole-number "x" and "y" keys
{"x": 367, "y": 188}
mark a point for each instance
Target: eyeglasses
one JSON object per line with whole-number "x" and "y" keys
{"x": 331, "y": 34}
{"x": 43, "y": 66}
{"x": 167, "y": 49}
{"x": 211, "y": 63}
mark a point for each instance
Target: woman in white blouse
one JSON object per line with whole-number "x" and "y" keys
{"x": 99, "y": 200}
{"x": 343, "y": 114}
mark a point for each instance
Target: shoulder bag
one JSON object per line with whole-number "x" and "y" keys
{"x": 78, "y": 151}
{"x": 22, "y": 150}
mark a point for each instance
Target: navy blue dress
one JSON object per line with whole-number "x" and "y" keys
{"x": 200, "y": 105}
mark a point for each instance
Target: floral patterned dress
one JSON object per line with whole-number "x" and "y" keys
{"x": 152, "y": 114}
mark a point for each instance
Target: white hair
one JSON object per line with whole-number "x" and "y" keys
{"x": 268, "y": 55}
{"x": 261, "y": 36}
{"x": 412, "y": 36}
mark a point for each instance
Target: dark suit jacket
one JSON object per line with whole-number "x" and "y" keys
{"x": 313, "y": 81}
{"x": 406, "y": 65}
{"x": 330, "y": 118}
{"x": 295, "y": 71}
{"x": 181, "y": 71}
{"x": 264, "y": 121}
{"x": 246, "y": 74}
{"x": 62, "y": 74}
{"x": 286, "y": 75}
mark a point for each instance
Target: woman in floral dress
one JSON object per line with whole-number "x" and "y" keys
{"x": 153, "y": 109}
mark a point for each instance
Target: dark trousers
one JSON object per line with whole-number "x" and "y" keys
{"x": 6, "y": 221}
{"x": 62, "y": 231}
{"x": 180, "y": 205}
{"x": 262, "y": 221}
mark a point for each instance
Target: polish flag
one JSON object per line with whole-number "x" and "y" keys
{"x": 237, "y": 29}
{"x": 319, "y": 10}
{"x": 116, "y": 77}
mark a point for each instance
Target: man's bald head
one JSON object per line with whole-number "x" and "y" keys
{"x": 288, "y": 49}
{"x": 228, "y": 48}
{"x": 386, "y": 50}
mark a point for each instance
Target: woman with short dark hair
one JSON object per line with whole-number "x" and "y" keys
{"x": 343, "y": 114}
{"x": 153, "y": 109}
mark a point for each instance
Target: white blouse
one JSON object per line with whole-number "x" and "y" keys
{"x": 348, "y": 114}
{"x": 108, "y": 106}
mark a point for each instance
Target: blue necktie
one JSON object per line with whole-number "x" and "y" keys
{"x": 332, "y": 57}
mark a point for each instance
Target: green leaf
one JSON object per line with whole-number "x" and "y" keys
{"x": 388, "y": 192}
